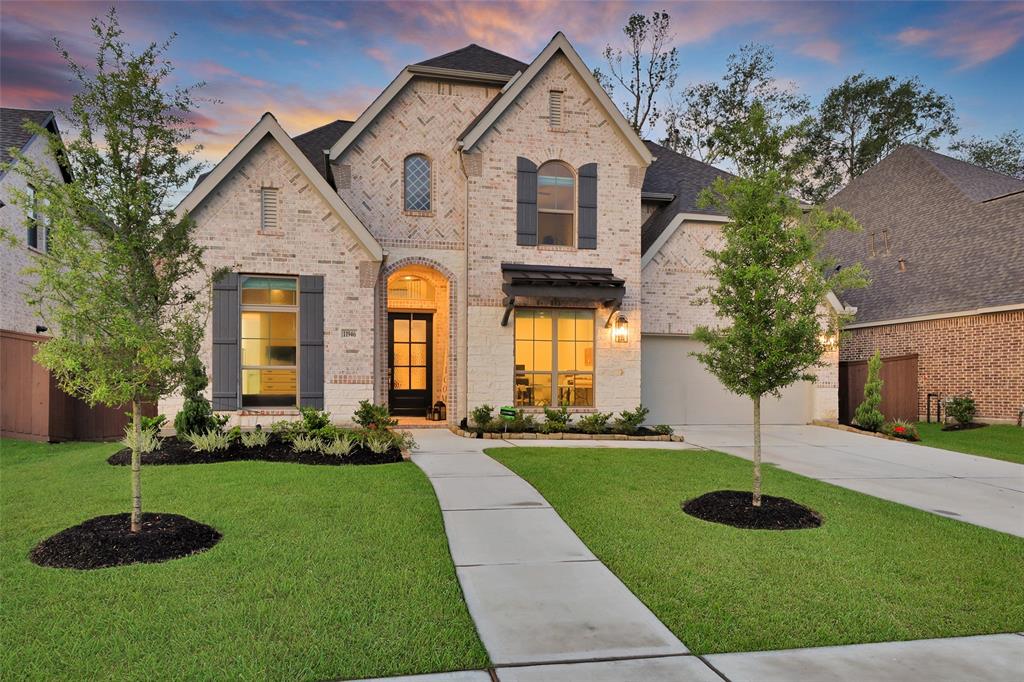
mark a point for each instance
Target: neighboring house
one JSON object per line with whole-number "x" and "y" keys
{"x": 944, "y": 243}
{"x": 31, "y": 404}
{"x": 473, "y": 237}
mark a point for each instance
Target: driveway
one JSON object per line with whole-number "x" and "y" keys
{"x": 979, "y": 490}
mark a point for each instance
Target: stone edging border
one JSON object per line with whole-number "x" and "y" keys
{"x": 674, "y": 438}
{"x": 850, "y": 429}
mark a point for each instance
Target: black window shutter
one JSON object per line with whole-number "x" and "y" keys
{"x": 226, "y": 323}
{"x": 588, "y": 207}
{"x": 526, "y": 202}
{"x": 311, "y": 341}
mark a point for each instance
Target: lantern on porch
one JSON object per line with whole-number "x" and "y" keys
{"x": 620, "y": 331}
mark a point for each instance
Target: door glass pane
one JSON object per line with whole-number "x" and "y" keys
{"x": 401, "y": 354}
{"x": 418, "y": 355}
{"x": 419, "y": 330}
{"x": 401, "y": 330}
{"x": 401, "y": 379}
{"x": 418, "y": 379}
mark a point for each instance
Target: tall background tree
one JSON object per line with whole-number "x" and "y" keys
{"x": 646, "y": 68}
{"x": 122, "y": 284}
{"x": 863, "y": 119}
{"x": 1004, "y": 153}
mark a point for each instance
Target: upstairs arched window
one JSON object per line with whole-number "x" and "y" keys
{"x": 417, "y": 183}
{"x": 556, "y": 204}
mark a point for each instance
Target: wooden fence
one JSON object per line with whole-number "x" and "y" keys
{"x": 899, "y": 388}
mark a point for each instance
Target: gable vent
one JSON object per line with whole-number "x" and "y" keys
{"x": 268, "y": 209}
{"x": 555, "y": 108}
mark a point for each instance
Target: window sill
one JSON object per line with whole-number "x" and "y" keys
{"x": 266, "y": 411}
{"x": 418, "y": 214}
{"x": 555, "y": 247}
{"x": 262, "y": 233}
{"x": 572, "y": 410}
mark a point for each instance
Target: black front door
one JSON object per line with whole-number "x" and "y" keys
{"x": 410, "y": 362}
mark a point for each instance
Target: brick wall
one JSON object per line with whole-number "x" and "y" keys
{"x": 980, "y": 354}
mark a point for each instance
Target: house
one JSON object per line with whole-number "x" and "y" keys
{"x": 32, "y": 406}
{"x": 487, "y": 231}
{"x": 943, "y": 240}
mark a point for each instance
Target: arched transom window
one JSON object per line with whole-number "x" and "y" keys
{"x": 417, "y": 183}
{"x": 556, "y": 204}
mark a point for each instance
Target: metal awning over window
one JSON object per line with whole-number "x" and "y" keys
{"x": 563, "y": 282}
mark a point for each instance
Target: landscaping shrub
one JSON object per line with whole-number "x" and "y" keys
{"x": 303, "y": 443}
{"x": 196, "y": 415}
{"x": 371, "y": 416}
{"x": 868, "y": 415}
{"x": 482, "y": 416}
{"x": 338, "y": 447}
{"x": 594, "y": 423}
{"x": 901, "y": 429}
{"x": 211, "y": 441}
{"x": 961, "y": 408}
{"x": 151, "y": 423}
{"x": 148, "y": 439}
{"x": 629, "y": 421}
{"x": 663, "y": 430}
{"x": 556, "y": 421}
{"x": 287, "y": 431}
{"x": 379, "y": 442}
{"x": 313, "y": 419}
{"x": 521, "y": 423}
{"x": 255, "y": 439}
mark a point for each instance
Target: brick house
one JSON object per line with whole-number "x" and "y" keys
{"x": 487, "y": 231}
{"x": 944, "y": 242}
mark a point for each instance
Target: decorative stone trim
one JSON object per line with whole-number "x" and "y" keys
{"x": 674, "y": 438}
{"x": 851, "y": 429}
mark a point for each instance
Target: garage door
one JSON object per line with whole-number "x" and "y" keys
{"x": 678, "y": 390}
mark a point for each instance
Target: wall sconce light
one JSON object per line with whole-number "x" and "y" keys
{"x": 829, "y": 341}
{"x": 620, "y": 332}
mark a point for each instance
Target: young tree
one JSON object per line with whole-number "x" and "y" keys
{"x": 709, "y": 119}
{"x": 117, "y": 285}
{"x": 650, "y": 67}
{"x": 863, "y": 119}
{"x": 770, "y": 290}
{"x": 1004, "y": 154}
{"x": 867, "y": 413}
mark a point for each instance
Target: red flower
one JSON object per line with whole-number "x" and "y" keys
{"x": 900, "y": 429}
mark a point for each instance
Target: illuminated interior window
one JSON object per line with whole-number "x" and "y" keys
{"x": 410, "y": 288}
{"x": 269, "y": 341}
{"x": 554, "y": 358}
{"x": 556, "y": 204}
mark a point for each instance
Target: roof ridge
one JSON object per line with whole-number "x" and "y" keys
{"x": 321, "y": 127}
{"x": 919, "y": 148}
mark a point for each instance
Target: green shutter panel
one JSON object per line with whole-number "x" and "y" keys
{"x": 311, "y": 341}
{"x": 526, "y": 202}
{"x": 587, "y": 238}
{"x": 226, "y": 348}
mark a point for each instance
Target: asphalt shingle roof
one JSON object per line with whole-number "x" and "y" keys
{"x": 477, "y": 59}
{"x": 675, "y": 173}
{"x": 977, "y": 183}
{"x": 313, "y": 143}
{"x": 12, "y": 130}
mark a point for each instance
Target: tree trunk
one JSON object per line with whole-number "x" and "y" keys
{"x": 757, "y": 451}
{"x": 136, "y": 466}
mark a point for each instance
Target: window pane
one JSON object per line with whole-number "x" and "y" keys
{"x": 401, "y": 351}
{"x": 418, "y": 354}
{"x": 584, "y": 356}
{"x": 269, "y": 290}
{"x": 584, "y": 326}
{"x": 419, "y": 330}
{"x": 252, "y": 325}
{"x": 524, "y": 324}
{"x": 268, "y": 387}
{"x": 282, "y": 325}
{"x": 524, "y": 356}
{"x": 555, "y": 187}
{"x": 401, "y": 330}
{"x": 566, "y": 326}
{"x": 576, "y": 390}
{"x": 542, "y": 325}
{"x": 533, "y": 390}
{"x": 268, "y": 338}
{"x": 418, "y": 379}
{"x": 542, "y": 355}
{"x": 417, "y": 183}
{"x": 566, "y": 355}
{"x": 401, "y": 378}
{"x": 554, "y": 229}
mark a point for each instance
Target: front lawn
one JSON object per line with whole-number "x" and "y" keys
{"x": 998, "y": 441}
{"x": 874, "y": 571}
{"x": 323, "y": 573}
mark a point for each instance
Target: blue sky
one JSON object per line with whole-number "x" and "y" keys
{"x": 313, "y": 62}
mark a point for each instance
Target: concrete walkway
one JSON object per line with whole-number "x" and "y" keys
{"x": 980, "y": 490}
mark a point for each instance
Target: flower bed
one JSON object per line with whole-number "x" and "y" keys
{"x": 571, "y": 435}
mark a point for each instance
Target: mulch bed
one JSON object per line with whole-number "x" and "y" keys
{"x": 106, "y": 541}
{"x": 963, "y": 427}
{"x": 734, "y": 508}
{"x": 175, "y": 451}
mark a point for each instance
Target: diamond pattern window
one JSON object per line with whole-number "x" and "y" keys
{"x": 417, "y": 183}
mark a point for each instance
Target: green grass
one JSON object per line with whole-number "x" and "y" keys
{"x": 998, "y": 441}
{"x": 323, "y": 573}
{"x": 874, "y": 571}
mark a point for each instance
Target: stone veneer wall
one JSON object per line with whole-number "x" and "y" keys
{"x": 980, "y": 354}
{"x": 587, "y": 135}
{"x": 311, "y": 240}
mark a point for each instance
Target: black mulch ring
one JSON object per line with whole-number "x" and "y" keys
{"x": 963, "y": 427}
{"x": 734, "y": 508}
{"x": 106, "y": 541}
{"x": 175, "y": 451}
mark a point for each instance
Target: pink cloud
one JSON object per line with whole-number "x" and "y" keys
{"x": 825, "y": 50}
{"x": 970, "y": 34}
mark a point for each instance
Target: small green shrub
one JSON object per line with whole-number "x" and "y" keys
{"x": 287, "y": 430}
{"x": 303, "y": 443}
{"x": 211, "y": 441}
{"x": 196, "y": 415}
{"x": 380, "y": 442}
{"x": 148, "y": 439}
{"x": 521, "y": 423}
{"x": 403, "y": 440}
{"x": 482, "y": 416}
{"x": 900, "y": 428}
{"x": 556, "y": 421}
{"x": 663, "y": 430}
{"x": 338, "y": 447}
{"x": 255, "y": 439}
{"x": 594, "y": 423}
{"x": 629, "y": 421}
{"x": 867, "y": 414}
{"x": 313, "y": 419}
{"x": 371, "y": 416}
{"x": 234, "y": 433}
{"x": 961, "y": 408}
{"x": 152, "y": 423}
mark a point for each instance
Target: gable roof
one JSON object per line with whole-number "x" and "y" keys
{"x": 315, "y": 142}
{"x": 558, "y": 44}
{"x": 477, "y": 59}
{"x": 961, "y": 252}
{"x": 13, "y": 134}
{"x": 977, "y": 183}
{"x": 268, "y": 126}
{"x": 679, "y": 175}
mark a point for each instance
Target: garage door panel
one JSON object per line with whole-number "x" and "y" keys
{"x": 678, "y": 390}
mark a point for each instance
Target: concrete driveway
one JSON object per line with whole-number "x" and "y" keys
{"x": 979, "y": 490}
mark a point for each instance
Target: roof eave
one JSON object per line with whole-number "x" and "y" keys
{"x": 459, "y": 74}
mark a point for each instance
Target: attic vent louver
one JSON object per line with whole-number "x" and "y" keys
{"x": 268, "y": 209}
{"x": 555, "y": 109}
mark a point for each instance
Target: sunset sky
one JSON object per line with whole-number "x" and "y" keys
{"x": 311, "y": 63}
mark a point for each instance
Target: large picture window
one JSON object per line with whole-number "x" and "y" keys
{"x": 554, "y": 361}
{"x": 270, "y": 310}
{"x": 556, "y": 204}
